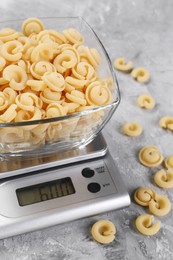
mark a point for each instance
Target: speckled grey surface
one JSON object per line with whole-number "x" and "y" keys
{"x": 143, "y": 32}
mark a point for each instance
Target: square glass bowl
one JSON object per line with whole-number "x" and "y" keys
{"x": 45, "y": 136}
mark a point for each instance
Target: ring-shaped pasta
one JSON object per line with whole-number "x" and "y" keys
{"x": 28, "y": 101}
{"x": 141, "y": 75}
{"x": 70, "y": 107}
{"x": 73, "y": 83}
{"x": 160, "y": 206}
{"x": 103, "y": 231}
{"x": 121, "y": 65}
{"x": 36, "y": 85}
{"x": 32, "y": 25}
{"x": 8, "y": 34}
{"x": 12, "y": 50}
{"x": 144, "y": 224}
{"x": 73, "y": 36}
{"x": 84, "y": 71}
{"x": 55, "y": 110}
{"x": 164, "y": 178}
{"x": 16, "y": 76}
{"x": 65, "y": 60}
{"x": 150, "y": 156}
{"x": 57, "y": 37}
{"x": 132, "y": 129}
{"x": 38, "y": 69}
{"x": 169, "y": 162}
{"x": 55, "y": 81}
{"x": 23, "y": 116}
{"x": 166, "y": 122}
{"x": 97, "y": 94}
{"x": 146, "y": 101}
{"x": 10, "y": 94}
{"x": 49, "y": 96}
{"x": 89, "y": 55}
{"x": 144, "y": 195}
{"x": 77, "y": 97}
{"x": 44, "y": 51}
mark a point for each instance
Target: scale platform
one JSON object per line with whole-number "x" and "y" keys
{"x": 42, "y": 192}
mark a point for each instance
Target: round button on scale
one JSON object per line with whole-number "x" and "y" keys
{"x": 87, "y": 173}
{"x": 94, "y": 187}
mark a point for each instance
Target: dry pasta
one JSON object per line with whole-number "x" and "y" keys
{"x": 103, "y": 231}
{"x": 160, "y": 206}
{"x": 146, "y": 101}
{"x": 164, "y": 179}
{"x": 44, "y": 74}
{"x": 150, "y": 156}
{"x": 132, "y": 129}
{"x": 166, "y": 122}
{"x": 141, "y": 75}
{"x": 169, "y": 162}
{"x": 144, "y": 224}
{"x": 120, "y": 64}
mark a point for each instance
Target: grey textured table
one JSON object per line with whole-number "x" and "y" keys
{"x": 143, "y": 32}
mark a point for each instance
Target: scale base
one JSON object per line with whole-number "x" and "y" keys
{"x": 95, "y": 193}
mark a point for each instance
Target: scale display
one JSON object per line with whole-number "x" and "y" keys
{"x": 45, "y": 191}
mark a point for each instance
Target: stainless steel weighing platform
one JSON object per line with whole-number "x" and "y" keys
{"x": 41, "y": 192}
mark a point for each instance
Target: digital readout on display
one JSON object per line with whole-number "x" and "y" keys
{"x": 45, "y": 191}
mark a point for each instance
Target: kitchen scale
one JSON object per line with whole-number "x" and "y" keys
{"x": 41, "y": 192}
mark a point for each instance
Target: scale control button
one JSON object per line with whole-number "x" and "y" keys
{"x": 94, "y": 187}
{"x": 87, "y": 172}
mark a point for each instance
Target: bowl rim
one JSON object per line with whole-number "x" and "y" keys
{"x": 113, "y": 103}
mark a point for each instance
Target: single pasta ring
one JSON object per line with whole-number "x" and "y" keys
{"x": 166, "y": 122}
{"x": 132, "y": 129}
{"x": 144, "y": 195}
{"x": 144, "y": 224}
{"x": 160, "y": 206}
{"x": 140, "y": 74}
{"x": 169, "y": 162}
{"x": 32, "y": 25}
{"x": 103, "y": 231}
{"x": 164, "y": 179}
{"x": 97, "y": 94}
{"x": 150, "y": 156}
{"x": 146, "y": 101}
{"x": 120, "y": 64}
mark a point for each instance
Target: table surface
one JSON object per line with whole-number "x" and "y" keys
{"x": 142, "y": 32}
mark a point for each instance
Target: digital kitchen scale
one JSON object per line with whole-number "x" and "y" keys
{"x": 41, "y": 192}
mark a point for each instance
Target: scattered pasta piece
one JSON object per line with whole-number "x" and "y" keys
{"x": 164, "y": 178}
{"x": 141, "y": 75}
{"x": 160, "y": 206}
{"x": 166, "y": 122}
{"x": 103, "y": 231}
{"x": 144, "y": 224}
{"x": 150, "y": 156}
{"x": 146, "y": 101}
{"x": 169, "y": 162}
{"x": 120, "y": 64}
{"x": 132, "y": 129}
{"x": 144, "y": 195}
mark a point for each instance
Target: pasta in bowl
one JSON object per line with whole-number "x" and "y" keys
{"x": 58, "y": 88}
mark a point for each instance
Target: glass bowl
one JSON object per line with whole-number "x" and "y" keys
{"x": 45, "y": 136}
